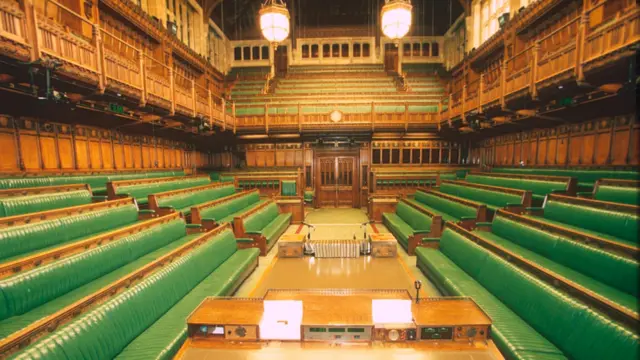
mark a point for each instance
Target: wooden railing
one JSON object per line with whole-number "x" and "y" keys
{"x": 122, "y": 69}
{"x": 158, "y": 81}
{"x": 557, "y": 52}
{"x": 518, "y": 71}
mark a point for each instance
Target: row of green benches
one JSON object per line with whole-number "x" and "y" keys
{"x": 164, "y": 268}
{"x": 258, "y": 109}
{"x": 587, "y": 178}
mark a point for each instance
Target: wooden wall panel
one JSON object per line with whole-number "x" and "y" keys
{"x": 118, "y": 152}
{"x": 146, "y": 156}
{"x": 107, "y": 154}
{"x": 561, "y": 151}
{"x": 137, "y": 156}
{"x": 65, "y": 148}
{"x": 588, "y": 148}
{"x": 95, "y": 155}
{"x": 552, "y": 147}
{"x": 9, "y": 158}
{"x": 82, "y": 153}
{"x": 29, "y": 148}
{"x": 49, "y": 151}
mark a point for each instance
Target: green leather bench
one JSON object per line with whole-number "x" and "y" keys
{"x": 141, "y": 191}
{"x": 589, "y": 217}
{"x": 17, "y": 205}
{"x": 450, "y": 208}
{"x": 288, "y": 188}
{"x": 148, "y": 320}
{"x": 617, "y": 191}
{"x": 308, "y": 196}
{"x": 539, "y": 187}
{"x": 410, "y": 225}
{"x": 183, "y": 200}
{"x": 493, "y": 197}
{"x": 98, "y": 182}
{"x": 223, "y": 210}
{"x": 264, "y": 225}
{"x": 26, "y": 239}
{"x": 531, "y": 320}
{"x": 37, "y": 286}
{"x": 586, "y": 178}
{"x": 614, "y": 277}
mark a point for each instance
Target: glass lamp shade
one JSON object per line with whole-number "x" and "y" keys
{"x": 396, "y": 19}
{"x": 274, "y": 23}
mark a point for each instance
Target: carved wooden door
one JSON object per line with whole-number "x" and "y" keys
{"x": 336, "y": 181}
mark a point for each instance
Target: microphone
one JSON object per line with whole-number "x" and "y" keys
{"x": 307, "y": 224}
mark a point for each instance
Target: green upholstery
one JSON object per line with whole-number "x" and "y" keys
{"x": 26, "y": 290}
{"x": 98, "y": 182}
{"x": 18, "y": 205}
{"x": 309, "y": 195}
{"x": 618, "y": 194}
{"x": 446, "y": 207}
{"x": 267, "y": 222}
{"x": 184, "y": 201}
{"x": 539, "y": 188}
{"x": 552, "y": 314}
{"x": 214, "y": 176}
{"x": 163, "y": 339}
{"x": 613, "y": 225}
{"x": 15, "y": 323}
{"x": 288, "y": 188}
{"x": 226, "y": 211}
{"x": 105, "y": 331}
{"x": 586, "y": 178}
{"x": 493, "y": 199}
{"x": 607, "y": 274}
{"x": 227, "y": 178}
{"x": 141, "y": 191}
{"x": 406, "y": 222}
{"x": 24, "y": 239}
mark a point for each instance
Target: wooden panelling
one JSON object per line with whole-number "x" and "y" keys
{"x": 600, "y": 142}
{"x": 9, "y": 158}
{"x": 49, "y": 151}
{"x": 29, "y": 148}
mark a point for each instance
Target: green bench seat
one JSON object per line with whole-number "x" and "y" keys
{"x": 586, "y": 178}
{"x": 267, "y": 222}
{"x": 612, "y": 276}
{"x": 163, "y": 339}
{"x": 16, "y": 323}
{"x": 288, "y": 188}
{"x": 406, "y": 222}
{"x": 25, "y": 240}
{"x": 552, "y": 314}
{"x": 309, "y": 195}
{"x": 618, "y": 194}
{"x": 449, "y": 209}
{"x": 226, "y": 211}
{"x": 539, "y": 188}
{"x": 493, "y": 199}
{"x": 106, "y": 330}
{"x": 613, "y": 225}
{"x": 18, "y": 205}
{"x": 29, "y": 289}
{"x": 183, "y": 202}
{"x": 140, "y": 192}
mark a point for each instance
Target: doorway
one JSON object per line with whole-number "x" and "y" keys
{"x": 337, "y": 181}
{"x": 391, "y": 57}
{"x": 281, "y": 61}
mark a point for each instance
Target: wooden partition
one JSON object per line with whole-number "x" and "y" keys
{"x": 161, "y": 210}
{"x": 482, "y": 213}
{"x": 437, "y": 225}
{"x": 22, "y": 338}
{"x": 257, "y": 241}
{"x": 42, "y": 190}
{"x": 196, "y": 217}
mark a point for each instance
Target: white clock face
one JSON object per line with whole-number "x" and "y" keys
{"x": 335, "y": 116}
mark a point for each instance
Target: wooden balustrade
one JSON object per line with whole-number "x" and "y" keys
{"x": 157, "y": 86}
{"x": 557, "y": 52}
{"x": 518, "y": 71}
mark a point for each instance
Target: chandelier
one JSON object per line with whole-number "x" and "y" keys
{"x": 274, "y": 20}
{"x": 396, "y": 18}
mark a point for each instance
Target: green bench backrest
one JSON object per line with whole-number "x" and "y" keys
{"x": 618, "y": 194}
{"x": 446, "y": 206}
{"x": 495, "y": 198}
{"x": 611, "y": 269}
{"x": 223, "y": 210}
{"x": 537, "y": 187}
{"x": 16, "y": 240}
{"x": 260, "y": 219}
{"x": 288, "y": 188}
{"x": 105, "y": 331}
{"x": 34, "y": 203}
{"x": 27, "y": 290}
{"x": 585, "y": 177}
{"x": 95, "y": 181}
{"x": 183, "y": 200}
{"x": 141, "y": 191}
{"x": 578, "y": 331}
{"x": 416, "y": 219}
{"x": 613, "y": 223}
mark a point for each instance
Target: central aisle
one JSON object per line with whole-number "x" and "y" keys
{"x": 364, "y": 272}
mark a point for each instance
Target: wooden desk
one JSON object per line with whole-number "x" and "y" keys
{"x": 383, "y": 245}
{"x": 291, "y": 245}
{"x": 381, "y": 204}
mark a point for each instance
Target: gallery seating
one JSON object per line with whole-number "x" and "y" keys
{"x": 494, "y": 197}
{"x": 225, "y": 209}
{"x": 28, "y": 200}
{"x": 412, "y": 224}
{"x": 263, "y": 224}
{"x": 531, "y": 320}
{"x": 182, "y": 200}
{"x": 539, "y": 185}
{"x": 609, "y": 225}
{"x": 151, "y": 315}
{"x": 22, "y": 235}
{"x": 617, "y": 191}
{"x": 141, "y": 189}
